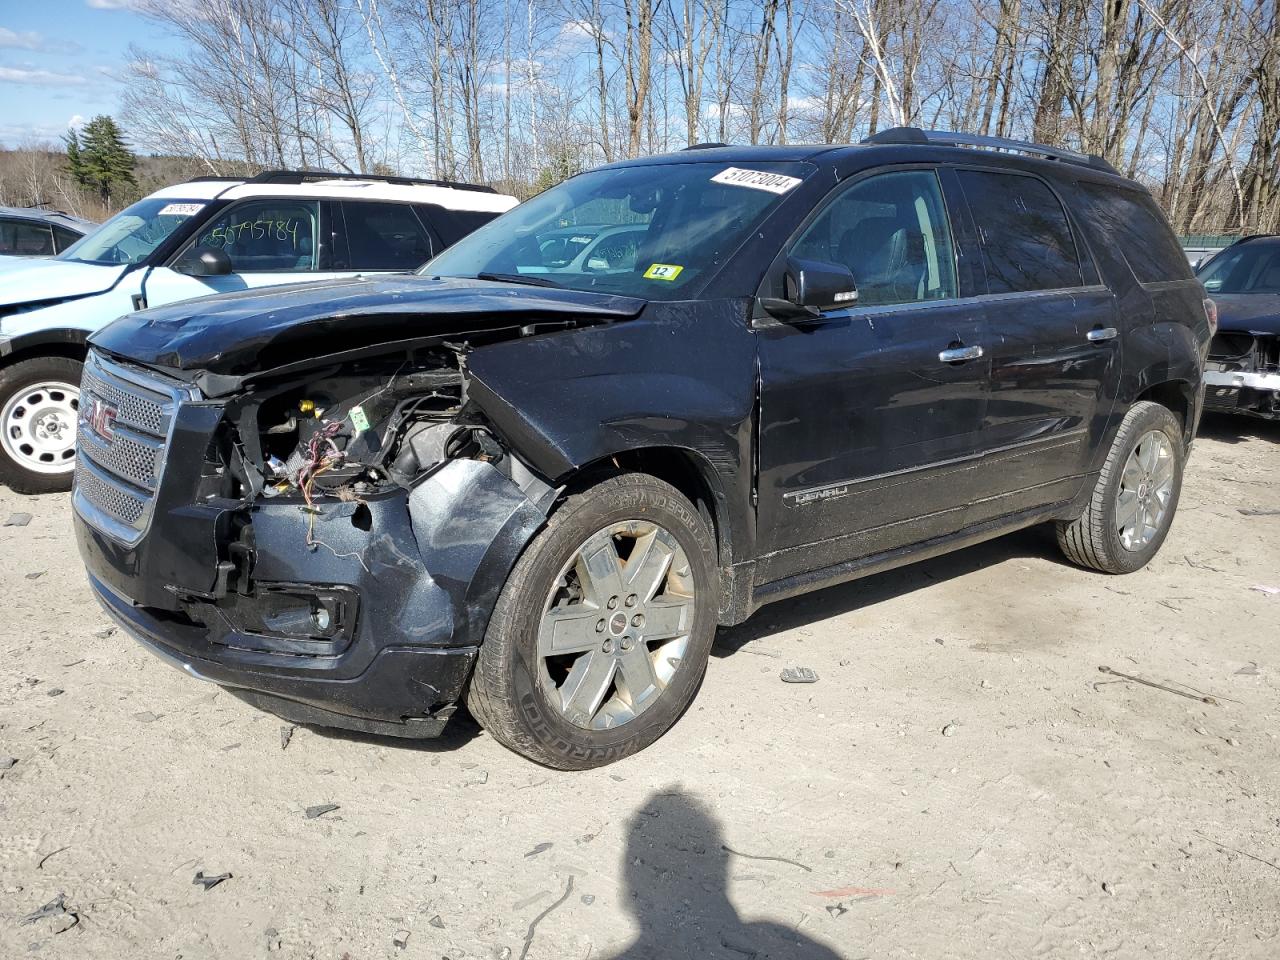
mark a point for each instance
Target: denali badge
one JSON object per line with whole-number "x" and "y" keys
{"x": 100, "y": 417}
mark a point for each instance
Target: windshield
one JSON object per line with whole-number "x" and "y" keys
{"x": 131, "y": 235}
{"x": 1247, "y": 268}
{"x": 648, "y": 231}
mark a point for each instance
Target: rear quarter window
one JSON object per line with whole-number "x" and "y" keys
{"x": 1133, "y": 225}
{"x": 64, "y": 238}
{"x": 452, "y": 225}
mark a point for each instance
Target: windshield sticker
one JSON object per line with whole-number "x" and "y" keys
{"x": 181, "y": 209}
{"x": 662, "y": 271}
{"x": 756, "y": 180}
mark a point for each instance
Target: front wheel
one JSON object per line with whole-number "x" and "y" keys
{"x": 601, "y": 635}
{"x": 39, "y": 407}
{"x": 1136, "y": 495}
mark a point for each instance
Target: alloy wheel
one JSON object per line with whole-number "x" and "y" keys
{"x": 1146, "y": 487}
{"x": 616, "y": 624}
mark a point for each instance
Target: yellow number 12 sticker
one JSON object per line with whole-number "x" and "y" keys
{"x": 662, "y": 271}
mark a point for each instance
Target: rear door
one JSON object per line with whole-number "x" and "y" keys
{"x": 269, "y": 241}
{"x": 1053, "y": 338}
{"x": 867, "y": 428}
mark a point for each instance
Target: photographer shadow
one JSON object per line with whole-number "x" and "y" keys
{"x": 677, "y": 887}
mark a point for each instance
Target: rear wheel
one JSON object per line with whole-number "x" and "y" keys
{"x": 39, "y": 406}
{"x": 601, "y": 635}
{"x": 1135, "y": 498}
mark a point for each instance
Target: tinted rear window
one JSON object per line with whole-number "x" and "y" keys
{"x": 1025, "y": 233}
{"x": 1134, "y": 225}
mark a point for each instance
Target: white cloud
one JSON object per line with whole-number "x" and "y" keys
{"x": 13, "y": 134}
{"x": 75, "y": 123}
{"x": 805, "y": 104}
{"x": 112, "y": 4}
{"x": 30, "y": 40}
{"x": 12, "y": 40}
{"x": 41, "y": 78}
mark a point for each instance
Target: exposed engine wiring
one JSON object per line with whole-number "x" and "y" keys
{"x": 322, "y": 456}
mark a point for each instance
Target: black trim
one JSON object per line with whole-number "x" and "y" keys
{"x": 43, "y": 338}
{"x": 307, "y": 176}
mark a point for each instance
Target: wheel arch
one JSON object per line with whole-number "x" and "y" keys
{"x": 687, "y": 470}
{"x": 1179, "y": 397}
{"x": 68, "y": 342}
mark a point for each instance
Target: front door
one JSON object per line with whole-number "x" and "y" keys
{"x": 269, "y": 242}
{"x": 870, "y": 416}
{"x": 1053, "y": 333}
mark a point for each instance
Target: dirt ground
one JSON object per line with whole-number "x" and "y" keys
{"x": 962, "y": 781}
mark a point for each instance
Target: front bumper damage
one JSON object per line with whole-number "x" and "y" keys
{"x": 1242, "y": 375}
{"x": 376, "y": 629}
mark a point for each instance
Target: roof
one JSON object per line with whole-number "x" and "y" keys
{"x": 449, "y": 197}
{"x": 900, "y": 145}
{"x": 78, "y": 224}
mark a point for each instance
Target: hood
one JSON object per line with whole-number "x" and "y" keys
{"x": 24, "y": 280}
{"x": 1248, "y": 312}
{"x": 256, "y": 331}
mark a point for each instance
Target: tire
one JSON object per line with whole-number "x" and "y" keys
{"x": 1103, "y": 538}
{"x": 521, "y": 695}
{"x": 44, "y": 391}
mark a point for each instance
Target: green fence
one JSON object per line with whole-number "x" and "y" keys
{"x": 1200, "y": 240}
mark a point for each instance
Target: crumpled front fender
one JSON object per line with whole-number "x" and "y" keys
{"x": 428, "y": 562}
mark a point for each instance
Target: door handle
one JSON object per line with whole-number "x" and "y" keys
{"x": 1098, "y": 334}
{"x": 960, "y": 354}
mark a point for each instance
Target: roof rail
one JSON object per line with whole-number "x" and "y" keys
{"x": 702, "y": 146}
{"x": 946, "y": 138}
{"x": 305, "y": 176}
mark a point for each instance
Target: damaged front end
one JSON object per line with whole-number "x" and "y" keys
{"x": 326, "y": 543}
{"x": 1242, "y": 374}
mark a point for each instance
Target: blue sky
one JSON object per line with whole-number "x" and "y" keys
{"x": 59, "y": 60}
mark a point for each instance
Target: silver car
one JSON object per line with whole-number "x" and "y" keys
{"x": 33, "y": 232}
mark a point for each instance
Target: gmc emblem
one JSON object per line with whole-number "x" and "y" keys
{"x": 100, "y": 417}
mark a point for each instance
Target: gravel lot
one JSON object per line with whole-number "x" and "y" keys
{"x": 962, "y": 781}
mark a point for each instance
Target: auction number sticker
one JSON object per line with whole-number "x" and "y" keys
{"x": 181, "y": 209}
{"x": 662, "y": 271}
{"x": 756, "y": 180}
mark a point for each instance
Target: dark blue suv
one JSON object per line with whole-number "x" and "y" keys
{"x": 536, "y": 483}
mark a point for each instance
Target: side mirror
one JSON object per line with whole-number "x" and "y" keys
{"x": 204, "y": 262}
{"x": 812, "y": 286}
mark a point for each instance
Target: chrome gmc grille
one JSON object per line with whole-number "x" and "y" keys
{"x": 126, "y": 418}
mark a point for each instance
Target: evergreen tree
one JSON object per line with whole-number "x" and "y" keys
{"x": 100, "y": 159}
{"x": 75, "y": 165}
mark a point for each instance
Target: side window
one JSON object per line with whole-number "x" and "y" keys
{"x": 1026, "y": 237}
{"x": 1134, "y": 225}
{"x": 277, "y": 236}
{"x": 63, "y": 238}
{"x": 892, "y": 232}
{"x": 20, "y": 238}
{"x": 453, "y": 225}
{"x": 385, "y": 236}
